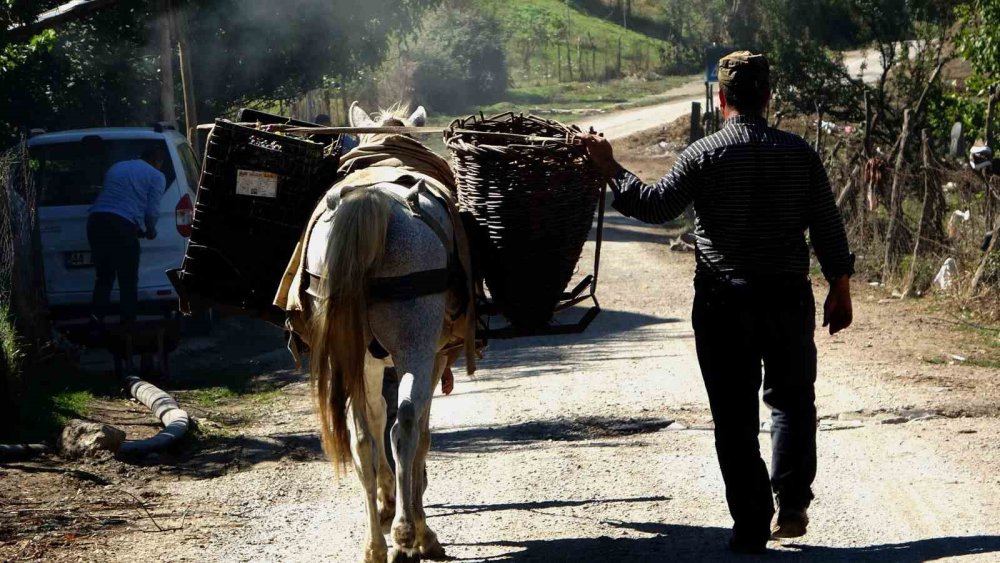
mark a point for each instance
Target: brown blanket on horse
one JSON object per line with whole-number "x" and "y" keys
{"x": 392, "y": 159}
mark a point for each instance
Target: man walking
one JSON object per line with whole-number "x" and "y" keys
{"x": 755, "y": 190}
{"x": 128, "y": 203}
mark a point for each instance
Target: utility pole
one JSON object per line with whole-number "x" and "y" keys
{"x": 167, "y": 101}
{"x": 187, "y": 77}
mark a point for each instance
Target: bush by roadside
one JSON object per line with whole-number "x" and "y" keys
{"x": 455, "y": 61}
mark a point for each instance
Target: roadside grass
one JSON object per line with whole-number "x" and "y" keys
{"x": 978, "y": 362}
{"x": 594, "y": 42}
{"x": 9, "y": 346}
{"x": 210, "y": 397}
{"x": 43, "y": 396}
{"x": 218, "y": 389}
{"x": 979, "y": 341}
{"x": 577, "y": 98}
{"x": 52, "y": 394}
{"x": 596, "y": 95}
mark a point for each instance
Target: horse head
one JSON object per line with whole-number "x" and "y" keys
{"x": 395, "y": 116}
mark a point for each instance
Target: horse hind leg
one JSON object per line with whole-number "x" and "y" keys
{"x": 363, "y": 451}
{"x": 427, "y": 540}
{"x": 406, "y": 438}
{"x": 375, "y": 371}
{"x": 410, "y": 331}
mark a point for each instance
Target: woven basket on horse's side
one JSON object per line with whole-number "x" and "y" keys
{"x": 531, "y": 205}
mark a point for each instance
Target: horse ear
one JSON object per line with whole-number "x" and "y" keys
{"x": 359, "y": 117}
{"x": 419, "y": 117}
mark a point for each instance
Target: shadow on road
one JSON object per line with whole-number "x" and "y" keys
{"x": 690, "y": 543}
{"x": 614, "y": 335}
{"x": 482, "y": 439}
{"x": 457, "y": 509}
{"x": 220, "y": 455}
{"x": 618, "y": 228}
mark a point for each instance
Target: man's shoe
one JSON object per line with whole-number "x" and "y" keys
{"x": 791, "y": 524}
{"x": 746, "y": 546}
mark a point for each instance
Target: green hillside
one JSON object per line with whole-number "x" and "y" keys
{"x": 552, "y": 40}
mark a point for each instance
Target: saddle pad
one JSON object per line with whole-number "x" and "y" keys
{"x": 391, "y": 161}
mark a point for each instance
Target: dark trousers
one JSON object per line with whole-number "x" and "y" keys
{"x": 114, "y": 244}
{"x": 738, "y": 325}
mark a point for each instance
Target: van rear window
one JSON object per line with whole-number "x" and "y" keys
{"x": 73, "y": 173}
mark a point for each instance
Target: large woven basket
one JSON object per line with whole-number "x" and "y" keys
{"x": 529, "y": 201}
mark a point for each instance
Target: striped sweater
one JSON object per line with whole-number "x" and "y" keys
{"x": 756, "y": 190}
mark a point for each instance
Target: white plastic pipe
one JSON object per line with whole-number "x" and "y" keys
{"x": 174, "y": 419}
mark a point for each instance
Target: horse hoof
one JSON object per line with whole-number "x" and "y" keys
{"x": 374, "y": 555}
{"x": 434, "y": 552}
{"x": 401, "y": 555}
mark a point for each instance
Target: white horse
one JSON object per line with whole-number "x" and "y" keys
{"x": 373, "y": 236}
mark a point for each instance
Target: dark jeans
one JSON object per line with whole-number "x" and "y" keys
{"x": 738, "y": 325}
{"x": 114, "y": 244}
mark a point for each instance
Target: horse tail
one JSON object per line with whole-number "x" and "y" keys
{"x": 341, "y": 334}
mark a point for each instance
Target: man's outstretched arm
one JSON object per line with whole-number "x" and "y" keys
{"x": 657, "y": 203}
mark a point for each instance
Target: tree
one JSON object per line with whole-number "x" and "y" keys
{"x": 537, "y": 30}
{"x": 103, "y": 70}
{"x": 979, "y": 39}
{"x": 456, "y": 61}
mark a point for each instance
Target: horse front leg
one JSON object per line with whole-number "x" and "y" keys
{"x": 414, "y": 401}
{"x": 363, "y": 449}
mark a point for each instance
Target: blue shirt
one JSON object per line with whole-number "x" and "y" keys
{"x": 132, "y": 189}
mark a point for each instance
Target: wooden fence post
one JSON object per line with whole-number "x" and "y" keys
{"x": 696, "y": 132}
{"x": 619, "y": 67}
{"x": 896, "y": 202}
{"x": 990, "y": 140}
{"x": 911, "y": 275}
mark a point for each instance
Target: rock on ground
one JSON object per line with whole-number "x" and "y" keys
{"x": 85, "y": 439}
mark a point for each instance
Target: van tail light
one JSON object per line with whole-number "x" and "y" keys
{"x": 185, "y": 216}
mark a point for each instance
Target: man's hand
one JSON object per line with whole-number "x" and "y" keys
{"x": 838, "y": 313}
{"x": 601, "y": 152}
{"x": 447, "y": 382}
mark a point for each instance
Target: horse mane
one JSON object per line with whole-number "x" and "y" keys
{"x": 394, "y": 115}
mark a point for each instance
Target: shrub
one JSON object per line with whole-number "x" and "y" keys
{"x": 456, "y": 61}
{"x": 10, "y": 366}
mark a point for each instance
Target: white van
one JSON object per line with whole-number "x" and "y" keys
{"x": 69, "y": 173}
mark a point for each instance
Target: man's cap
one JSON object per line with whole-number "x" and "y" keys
{"x": 744, "y": 69}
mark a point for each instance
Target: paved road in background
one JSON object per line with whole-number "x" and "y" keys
{"x": 621, "y": 124}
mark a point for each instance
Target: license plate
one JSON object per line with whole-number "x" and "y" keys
{"x": 79, "y": 259}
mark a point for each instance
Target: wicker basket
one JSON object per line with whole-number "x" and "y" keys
{"x": 243, "y": 238}
{"x": 529, "y": 202}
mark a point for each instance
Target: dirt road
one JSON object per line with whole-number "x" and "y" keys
{"x": 620, "y": 124}
{"x": 595, "y": 447}
{"x": 599, "y": 448}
